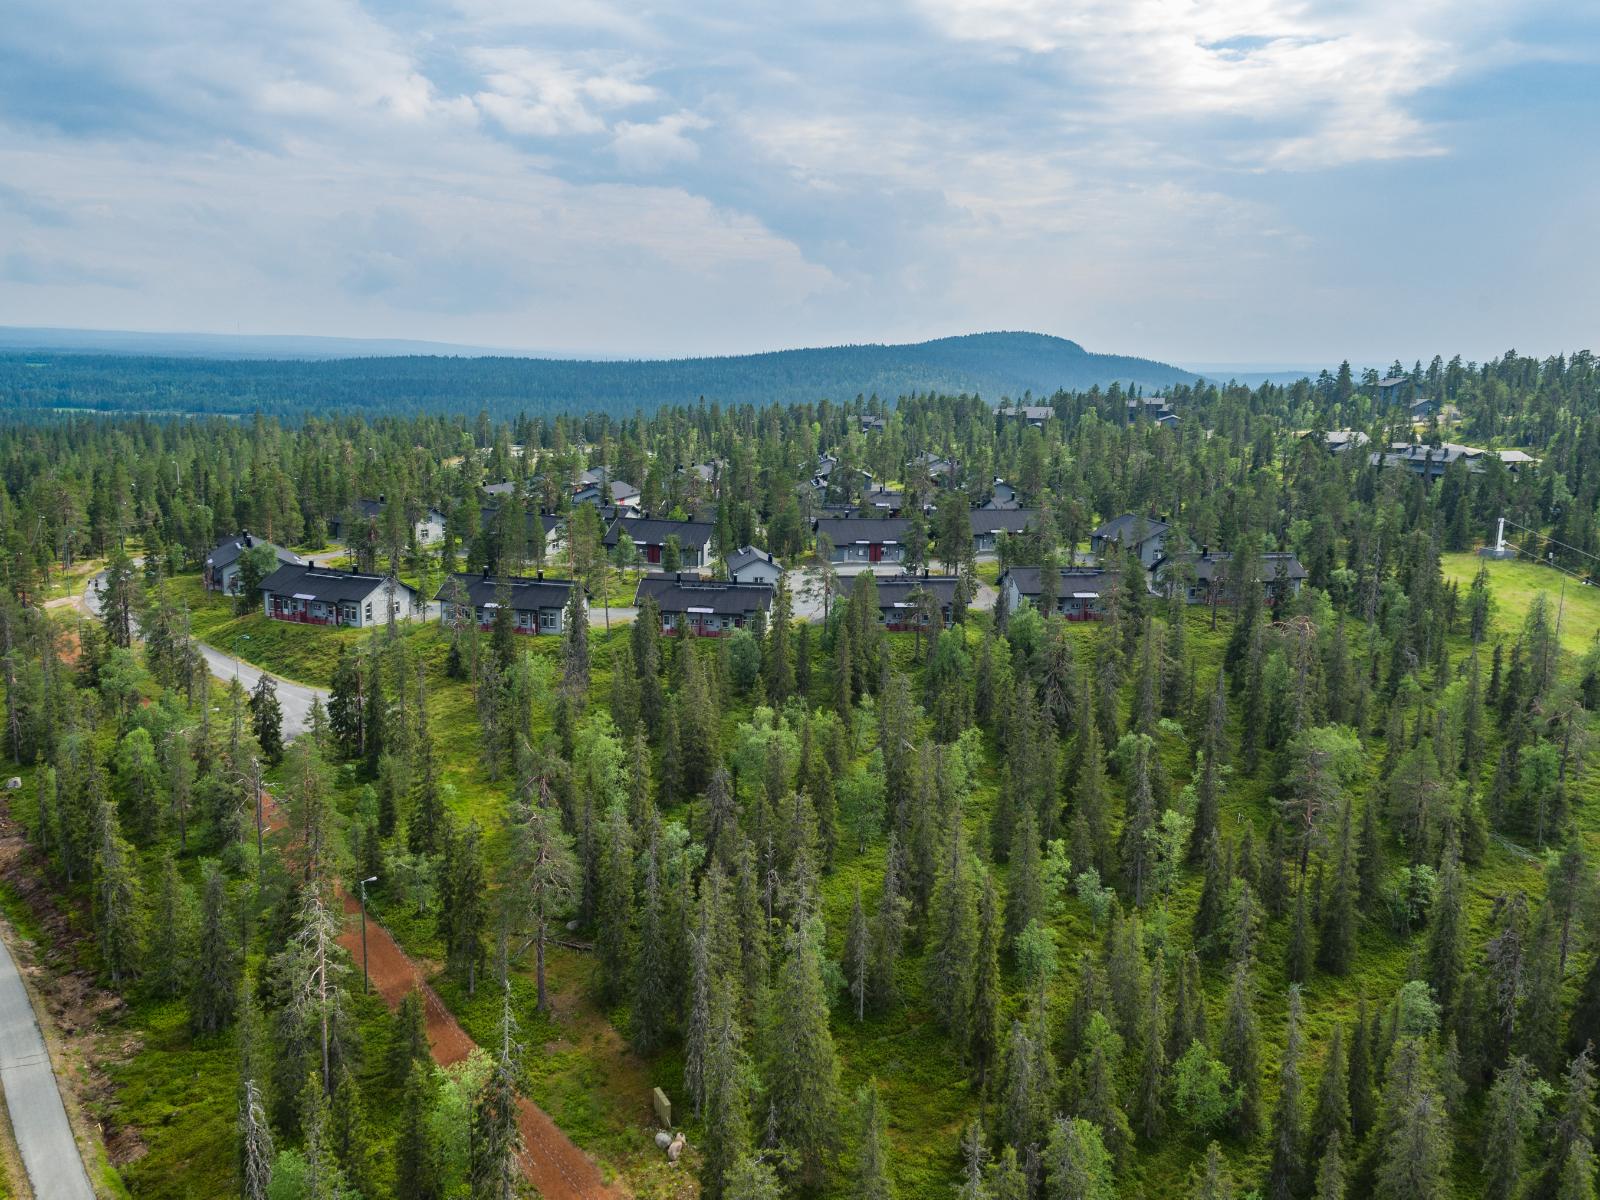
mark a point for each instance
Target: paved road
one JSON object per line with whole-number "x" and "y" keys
{"x": 44, "y": 1136}
{"x": 293, "y": 698}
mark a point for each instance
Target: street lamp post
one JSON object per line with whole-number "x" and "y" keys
{"x": 365, "y": 985}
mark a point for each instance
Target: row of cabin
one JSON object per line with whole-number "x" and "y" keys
{"x": 1084, "y": 593}
{"x": 858, "y": 539}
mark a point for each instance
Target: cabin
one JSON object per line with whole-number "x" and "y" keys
{"x": 1152, "y": 408}
{"x": 989, "y": 523}
{"x": 1034, "y": 415}
{"x": 902, "y": 601}
{"x": 221, "y": 573}
{"x": 538, "y": 604}
{"x": 704, "y": 607}
{"x": 551, "y": 527}
{"x": 864, "y": 539}
{"x": 623, "y": 495}
{"x": 1204, "y": 576}
{"x": 882, "y": 501}
{"x": 428, "y": 528}
{"x": 310, "y": 595}
{"x": 1341, "y": 441}
{"x": 749, "y": 565}
{"x": 1081, "y": 592}
{"x": 1396, "y": 389}
{"x": 1145, "y": 536}
{"x": 650, "y": 535}
{"x": 940, "y": 470}
{"x": 1002, "y": 496}
{"x": 873, "y": 424}
{"x": 1427, "y": 461}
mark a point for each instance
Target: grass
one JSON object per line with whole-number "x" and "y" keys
{"x": 1516, "y": 581}
{"x": 579, "y": 1068}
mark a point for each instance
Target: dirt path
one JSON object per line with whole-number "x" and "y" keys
{"x": 552, "y": 1162}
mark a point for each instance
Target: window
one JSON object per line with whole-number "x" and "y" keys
{"x": 549, "y": 619}
{"x": 369, "y": 610}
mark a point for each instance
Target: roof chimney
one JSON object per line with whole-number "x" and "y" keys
{"x": 382, "y": 499}
{"x": 1205, "y": 551}
{"x": 541, "y": 573}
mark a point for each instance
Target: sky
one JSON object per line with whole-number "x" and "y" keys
{"x": 1241, "y": 181}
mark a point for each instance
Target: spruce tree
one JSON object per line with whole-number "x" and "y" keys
{"x": 1572, "y": 1137}
{"x": 495, "y": 1170}
{"x": 1298, "y": 965}
{"x": 116, "y": 901}
{"x": 349, "y": 1134}
{"x": 214, "y": 989}
{"x": 1285, "y": 1173}
{"x": 1331, "y": 1171}
{"x": 1509, "y": 1119}
{"x": 858, "y": 957}
{"x": 1209, "y": 914}
{"x": 255, "y": 1145}
{"x": 408, "y": 1039}
{"x": 1212, "y": 1180}
{"x": 1412, "y": 1131}
{"x": 1208, "y": 785}
{"x": 983, "y": 1024}
{"x": 1077, "y": 1165}
{"x": 418, "y": 1171}
{"x": 1151, "y": 1105}
{"x": 1240, "y": 1051}
{"x": 872, "y": 1159}
{"x": 953, "y": 937}
{"x": 1363, "y": 1101}
{"x": 652, "y": 970}
{"x": 1336, "y": 940}
{"x": 266, "y": 718}
{"x": 1330, "y": 1119}
{"x": 727, "y": 1114}
{"x": 171, "y": 953}
{"x": 802, "y": 1071}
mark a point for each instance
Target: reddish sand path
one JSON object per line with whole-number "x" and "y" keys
{"x": 555, "y": 1166}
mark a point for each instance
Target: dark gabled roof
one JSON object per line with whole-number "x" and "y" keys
{"x": 745, "y": 555}
{"x": 844, "y": 531}
{"x": 1028, "y": 412}
{"x": 1208, "y": 567}
{"x": 504, "y": 488}
{"x": 1405, "y": 452}
{"x": 527, "y": 594}
{"x": 373, "y": 509}
{"x": 1394, "y": 381}
{"x": 618, "y": 489}
{"x": 1121, "y": 529}
{"x": 1074, "y": 580}
{"x": 901, "y": 591}
{"x": 687, "y": 593}
{"x": 1004, "y": 520}
{"x": 230, "y": 549}
{"x": 548, "y": 521}
{"x": 325, "y": 583}
{"x": 651, "y": 531}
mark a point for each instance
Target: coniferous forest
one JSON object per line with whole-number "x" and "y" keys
{"x": 1189, "y": 811}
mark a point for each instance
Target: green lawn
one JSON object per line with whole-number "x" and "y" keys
{"x": 1515, "y": 583}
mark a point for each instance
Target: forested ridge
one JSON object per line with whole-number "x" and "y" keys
{"x": 992, "y": 365}
{"x": 1295, "y": 899}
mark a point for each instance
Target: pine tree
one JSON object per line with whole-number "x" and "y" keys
{"x": 872, "y": 1160}
{"x": 266, "y": 718}
{"x": 1240, "y": 1051}
{"x": 1288, "y": 1133}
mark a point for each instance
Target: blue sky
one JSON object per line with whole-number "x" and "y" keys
{"x": 1227, "y": 180}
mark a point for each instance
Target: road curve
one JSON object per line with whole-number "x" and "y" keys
{"x": 293, "y": 698}
{"x": 38, "y": 1118}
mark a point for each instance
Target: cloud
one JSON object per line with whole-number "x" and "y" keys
{"x": 711, "y": 175}
{"x": 651, "y": 145}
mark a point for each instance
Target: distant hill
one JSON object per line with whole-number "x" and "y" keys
{"x": 992, "y": 365}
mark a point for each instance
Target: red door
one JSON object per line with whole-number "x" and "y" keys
{"x": 875, "y": 552}
{"x": 652, "y": 554}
